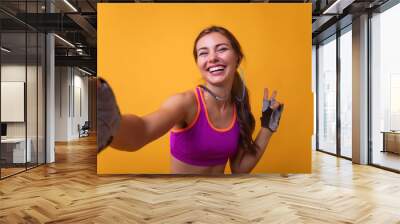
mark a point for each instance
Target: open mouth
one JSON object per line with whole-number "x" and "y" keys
{"x": 216, "y": 70}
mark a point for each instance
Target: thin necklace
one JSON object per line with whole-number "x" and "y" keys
{"x": 225, "y": 98}
{"x": 213, "y": 94}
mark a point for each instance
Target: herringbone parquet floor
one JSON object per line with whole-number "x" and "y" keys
{"x": 69, "y": 191}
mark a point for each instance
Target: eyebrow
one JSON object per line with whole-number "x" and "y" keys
{"x": 205, "y": 48}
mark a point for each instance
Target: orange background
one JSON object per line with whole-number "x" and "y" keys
{"x": 145, "y": 53}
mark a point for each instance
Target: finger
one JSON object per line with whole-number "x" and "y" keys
{"x": 274, "y": 93}
{"x": 275, "y": 105}
{"x": 265, "y": 93}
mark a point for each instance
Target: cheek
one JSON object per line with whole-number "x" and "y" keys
{"x": 231, "y": 59}
{"x": 200, "y": 64}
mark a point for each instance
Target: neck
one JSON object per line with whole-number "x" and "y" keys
{"x": 223, "y": 92}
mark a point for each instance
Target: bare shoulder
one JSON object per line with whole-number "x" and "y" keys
{"x": 186, "y": 98}
{"x": 189, "y": 98}
{"x": 183, "y": 103}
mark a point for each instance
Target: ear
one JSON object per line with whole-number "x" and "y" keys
{"x": 238, "y": 62}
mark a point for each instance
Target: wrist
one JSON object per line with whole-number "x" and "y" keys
{"x": 267, "y": 130}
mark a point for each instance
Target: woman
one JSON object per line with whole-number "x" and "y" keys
{"x": 210, "y": 126}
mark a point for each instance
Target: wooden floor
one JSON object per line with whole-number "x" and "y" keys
{"x": 69, "y": 191}
{"x": 10, "y": 171}
{"x": 5, "y": 172}
{"x": 387, "y": 159}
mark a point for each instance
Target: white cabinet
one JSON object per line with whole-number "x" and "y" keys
{"x": 18, "y": 149}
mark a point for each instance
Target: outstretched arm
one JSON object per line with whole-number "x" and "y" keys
{"x": 130, "y": 132}
{"x": 135, "y": 132}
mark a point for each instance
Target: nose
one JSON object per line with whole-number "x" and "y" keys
{"x": 212, "y": 57}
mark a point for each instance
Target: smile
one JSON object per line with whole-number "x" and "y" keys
{"x": 216, "y": 69}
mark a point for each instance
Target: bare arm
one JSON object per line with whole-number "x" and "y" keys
{"x": 244, "y": 162}
{"x": 135, "y": 132}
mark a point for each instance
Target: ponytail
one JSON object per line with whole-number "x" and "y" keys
{"x": 246, "y": 120}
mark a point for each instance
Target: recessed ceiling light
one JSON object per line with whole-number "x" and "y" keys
{"x": 64, "y": 40}
{"x": 5, "y": 50}
{"x": 71, "y": 6}
{"x": 84, "y": 71}
{"x": 337, "y": 7}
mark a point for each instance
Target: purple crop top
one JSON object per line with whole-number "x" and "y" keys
{"x": 200, "y": 143}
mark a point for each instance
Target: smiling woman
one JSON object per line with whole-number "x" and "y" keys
{"x": 210, "y": 125}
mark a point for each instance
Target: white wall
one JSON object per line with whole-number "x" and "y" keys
{"x": 61, "y": 103}
{"x": 71, "y": 94}
{"x": 81, "y": 103}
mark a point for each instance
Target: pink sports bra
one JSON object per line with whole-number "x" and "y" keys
{"x": 200, "y": 143}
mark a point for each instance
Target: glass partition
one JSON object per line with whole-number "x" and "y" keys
{"x": 22, "y": 88}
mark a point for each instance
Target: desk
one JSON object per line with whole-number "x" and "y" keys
{"x": 17, "y": 152}
{"x": 391, "y": 141}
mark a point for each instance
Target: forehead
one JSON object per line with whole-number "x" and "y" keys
{"x": 212, "y": 39}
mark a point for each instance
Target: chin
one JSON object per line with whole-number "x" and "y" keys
{"x": 219, "y": 80}
{"x": 216, "y": 81}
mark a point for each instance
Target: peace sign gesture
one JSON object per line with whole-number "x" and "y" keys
{"x": 274, "y": 104}
{"x": 271, "y": 111}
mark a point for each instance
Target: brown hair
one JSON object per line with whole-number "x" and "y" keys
{"x": 245, "y": 117}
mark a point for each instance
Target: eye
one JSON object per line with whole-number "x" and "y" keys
{"x": 202, "y": 53}
{"x": 222, "y": 49}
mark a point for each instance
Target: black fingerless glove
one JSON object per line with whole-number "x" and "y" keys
{"x": 270, "y": 118}
{"x": 108, "y": 115}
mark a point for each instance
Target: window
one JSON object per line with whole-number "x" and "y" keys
{"x": 327, "y": 95}
{"x": 385, "y": 88}
{"x": 346, "y": 93}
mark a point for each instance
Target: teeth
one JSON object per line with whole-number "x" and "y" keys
{"x": 213, "y": 69}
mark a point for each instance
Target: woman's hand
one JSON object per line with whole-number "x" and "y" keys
{"x": 271, "y": 111}
{"x": 108, "y": 114}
